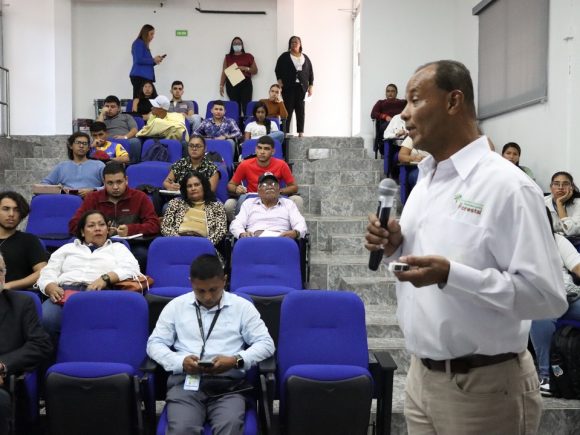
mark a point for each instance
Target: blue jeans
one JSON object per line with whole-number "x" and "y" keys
{"x": 541, "y": 334}
{"x": 52, "y": 316}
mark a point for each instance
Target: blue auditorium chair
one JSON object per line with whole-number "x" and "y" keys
{"x": 49, "y": 217}
{"x": 324, "y": 379}
{"x": 224, "y": 148}
{"x": 174, "y": 148}
{"x": 169, "y": 259}
{"x": 249, "y": 148}
{"x": 232, "y": 110}
{"x": 266, "y": 261}
{"x": 97, "y": 384}
{"x": 250, "y": 108}
{"x": 152, "y": 173}
{"x": 222, "y": 187}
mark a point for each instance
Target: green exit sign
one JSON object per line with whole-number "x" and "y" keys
{"x": 181, "y": 33}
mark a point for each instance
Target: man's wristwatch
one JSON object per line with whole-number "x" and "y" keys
{"x": 239, "y": 361}
{"x": 105, "y": 277}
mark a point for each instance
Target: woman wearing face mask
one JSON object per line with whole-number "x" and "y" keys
{"x": 242, "y": 92}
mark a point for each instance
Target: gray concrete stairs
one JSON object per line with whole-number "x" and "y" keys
{"x": 339, "y": 186}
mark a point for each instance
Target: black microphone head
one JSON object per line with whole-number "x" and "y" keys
{"x": 387, "y": 187}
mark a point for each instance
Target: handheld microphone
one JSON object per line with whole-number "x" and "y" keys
{"x": 387, "y": 191}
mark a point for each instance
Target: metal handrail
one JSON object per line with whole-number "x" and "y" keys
{"x": 7, "y": 102}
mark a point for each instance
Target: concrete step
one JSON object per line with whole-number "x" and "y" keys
{"x": 335, "y": 206}
{"x": 346, "y": 244}
{"x": 335, "y": 197}
{"x": 36, "y": 163}
{"x": 396, "y": 347}
{"x": 373, "y": 290}
{"x": 321, "y": 227}
{"x": 327, "y": 270}
{"x": 298, "y": 147}
{"x": 382, "y": 322}
{"x": 24, "y": 176}
{"x": 560, "y": 416}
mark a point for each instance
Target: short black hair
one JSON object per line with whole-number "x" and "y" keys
{"x": 511, "y": 145}
{"x": 451, "y": 75}
{"x": 266, "y": 140}
{"x": 206, "y": 266}
{"x": 208, "y": 194}
{"x": 392, "y": 85}
{"x": 97, "y": 126}
{"x": 21, "y": 203}
{"x": 114, "y": 168}
{"x": 70, "y": 140}
{"x": 176, "y": 82}
{"x": 83, "y": 222}
{"x": 113, "y": 99}
{"x": 218, "y": 103}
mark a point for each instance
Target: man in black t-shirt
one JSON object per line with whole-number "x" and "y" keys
{"x": 23, "y": 253}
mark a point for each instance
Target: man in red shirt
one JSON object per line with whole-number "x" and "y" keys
{"x": 250, "y": 170}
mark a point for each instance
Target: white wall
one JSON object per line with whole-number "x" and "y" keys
{"x": 38, "y": 55}
{"x": 397, "y": 37}
{"x": 549, "y": 133}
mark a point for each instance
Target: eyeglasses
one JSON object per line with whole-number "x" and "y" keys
{"x": 268, "y": 183}
{"x": 85, "y": 144}
{"x": 561, "y": 184}
{"x": 195, "y": 146}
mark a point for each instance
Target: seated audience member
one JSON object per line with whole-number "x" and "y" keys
{"x": 196, "y": 161}
{"x": 197, "y": 213}
{"x": 184, "y": 107}
{"x": 163, "y": 124}
{"x": 564, "y": 204}
{"x": 411, "y": 156}
{"x": 384, "y": 110}
{"x": 237, "y": 339}
{"x": 268, "y": 212}
{"x": 250, "y": 170}
{"x": 262, "y": 126}
{"x": 396, "y": 129}
{"x": 121, "y": 126}
{"x": 91, "y": 262}
{"x": 142, "y": 104}
{"x": 104, "y": 150}
{"x": 23, "y": 252}
{"x": 219, "y": 126}
{"x": 274, "y": 102}
{"x": 511, "y": 151}
{"x": 128, "y": 211}
{"x": 542, "y": 330}
{"x": 79, "y": 172}
{"x": 24, "y": 345}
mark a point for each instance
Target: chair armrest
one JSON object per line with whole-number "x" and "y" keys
{"x": 383, "y": 369}
{"x": 267, "y": 366}
{"x": 148, "y": 365}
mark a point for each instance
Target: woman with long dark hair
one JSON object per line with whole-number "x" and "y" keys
{"x": 242, "y": 92}
{"x": 141, "y": 104}
{"x": 511, "y": 151}
{"x": 262, "y": 125}
{"x": 564, "y": 204}
{"x": 143, "y": 61}
{"x": 295, "y": 75}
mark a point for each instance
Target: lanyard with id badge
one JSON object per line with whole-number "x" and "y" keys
{"x": 192, "y": 381}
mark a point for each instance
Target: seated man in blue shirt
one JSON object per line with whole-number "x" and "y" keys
{"x": 78, "y": 174}
{"x": 202, "y": 335}
{"x": 219, "y": 126}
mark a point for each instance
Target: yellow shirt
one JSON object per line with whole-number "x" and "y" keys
{"x": 194, "y": 220}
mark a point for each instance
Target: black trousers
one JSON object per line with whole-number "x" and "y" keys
{"x": 5, "y": 410}
{"x": 294, "y": 101}
{"x": 241, "y": 94}
{"x": 137, "y": 83}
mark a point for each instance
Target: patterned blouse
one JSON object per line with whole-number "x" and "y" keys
{"x": 183, "y": 166}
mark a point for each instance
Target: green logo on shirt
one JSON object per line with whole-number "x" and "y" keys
{"x": 466, "y": 205}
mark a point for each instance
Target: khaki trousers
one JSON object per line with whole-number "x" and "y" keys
{"x": 499, "y": 399}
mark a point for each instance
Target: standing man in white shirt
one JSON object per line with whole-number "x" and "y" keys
{"x": 203, "y": 336}
{"x": 483, "y": 264}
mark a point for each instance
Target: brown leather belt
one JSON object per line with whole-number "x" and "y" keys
{"x": 466, "y": 363}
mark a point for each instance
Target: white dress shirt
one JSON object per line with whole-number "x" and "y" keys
{"x": 396, "y": 124}
{"x": 255, "y": 216}
{"x": 488, "y": 219}
{"x": 569, "y": 226}
{"x": 177, "y": 333}
{"x": 75, "y": 263}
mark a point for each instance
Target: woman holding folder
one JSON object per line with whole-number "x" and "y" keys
{"x": 240, "y": 92}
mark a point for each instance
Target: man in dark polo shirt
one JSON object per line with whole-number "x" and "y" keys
{"x": 23, "y": 252}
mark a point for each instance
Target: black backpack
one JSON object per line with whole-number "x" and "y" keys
{"x": 565, "y": 362}
{"x": 157, "y": 153}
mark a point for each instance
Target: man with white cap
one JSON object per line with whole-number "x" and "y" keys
{"x": 161, "y": 123}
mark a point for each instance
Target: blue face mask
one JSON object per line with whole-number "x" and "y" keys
{"x": 237, "y": 48}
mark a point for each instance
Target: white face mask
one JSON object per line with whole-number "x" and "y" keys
{"x": 237, "y": 48}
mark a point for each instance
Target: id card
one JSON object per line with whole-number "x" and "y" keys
{"x": 192, "y": 382}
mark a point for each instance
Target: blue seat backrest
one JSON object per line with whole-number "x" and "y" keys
{"x": 153, "y": 173}
{"x": 266, "y": 261}
{"x": 169, "y": 259}
{"x": 51, "y": 213}
{"x": 232, "y": 110}
{"x": 249, "y": 148}
{"x": 174, "y": 148}
{"x": 222, "y": 187}
{"x": 224, "y": 148}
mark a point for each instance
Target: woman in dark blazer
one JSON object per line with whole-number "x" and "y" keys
{"x": 295, "y": 75}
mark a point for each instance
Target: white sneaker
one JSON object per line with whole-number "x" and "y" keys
{"x": 545, "y": 387}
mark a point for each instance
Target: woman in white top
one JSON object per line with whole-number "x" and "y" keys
{"x": 91, "y": 262}
{"x": 262, "y": 126}
{"x": 564, "y": 204}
